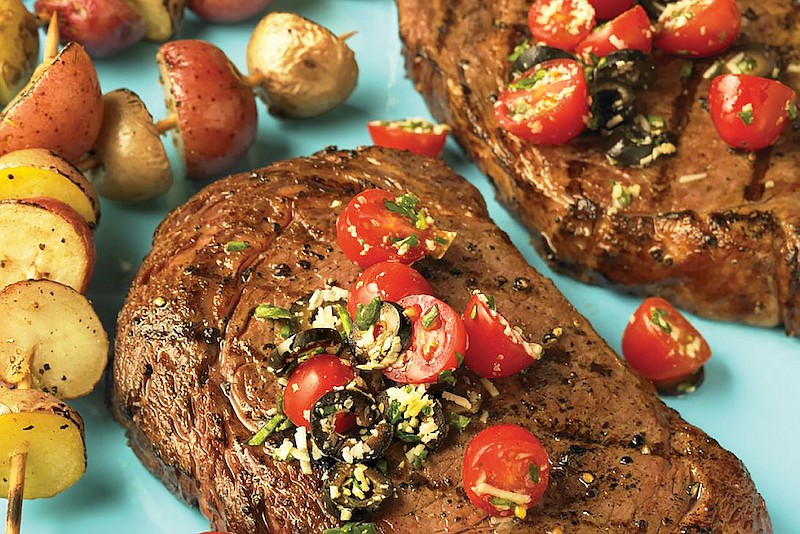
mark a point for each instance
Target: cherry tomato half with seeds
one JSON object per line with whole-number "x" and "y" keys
{"x": 506, "y": 458}
{"x": 561, "y": 23}
{"x": 311, "y": 380}
{"x": 389, "y": 281}
{"x": 377, "y": 226}
{"x": 630, "y": 30}
{"x": 608, "y": 9}
{"x": 661, "y": 344}
{"x": 750, "y": 112}
{"x": 415, "y": 135}
{"x": 438, "y": 340}
{"x": 495, "y": 349}
{"x": 547, "y": 104}
{"x": 698, "y": 28}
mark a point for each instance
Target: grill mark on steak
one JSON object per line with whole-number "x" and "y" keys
{"x": 580, "y": 399}
{"x": 694, "y": 267}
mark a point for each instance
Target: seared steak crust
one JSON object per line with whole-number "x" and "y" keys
{"x": 712, "y": 230}
{"x": 191, "y": 386}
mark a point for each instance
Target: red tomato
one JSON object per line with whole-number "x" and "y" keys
{"x": 492, "y": 353}
{"x": 630, "y": 30}
{"x": 750, "y": 112}
{"x": 561, "y": 23}
{"x": 310, "y": 381}
{"x": 509, "y": 458}
{"x": 548, "y": 104}
{"x": 434, "y": 348}
{"x": 661, "y": 344}
{"x": 701, "y": 28}
{"x": 389, "y": 281}
{"x": 415, "y": 135}
{"x": 376, "y": 226}
{"x": 608, "y": 9}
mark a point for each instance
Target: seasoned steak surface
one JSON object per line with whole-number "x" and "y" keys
{"x": 191, "y": 386}
{"x": 712, "y": 230}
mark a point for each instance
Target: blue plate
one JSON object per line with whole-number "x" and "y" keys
{"x": 749, "y": 401}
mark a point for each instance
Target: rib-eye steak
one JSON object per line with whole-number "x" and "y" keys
{"x": 711, "y": 229}
{"x": 191, "y": 385}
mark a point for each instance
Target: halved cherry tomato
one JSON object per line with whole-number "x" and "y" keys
{"x": 389, "y": 281}
{"x": 661, "y": 344}
{"x": 415, "y": 135}
{"x": 561, "y": 23}
{"x": 310, "y": 381}
{"x": 376, "y": 226}
{"x": 495, "y": 348}
{"x": 630, "y": 30}
{"x": 506, "y": 458}
{"x": 548, "y": 104}
{"x": 698, "y": 28}
{"x": 750, "y": 112}
{"x": 438, "y": 339}
{"x": 608, "y": 9}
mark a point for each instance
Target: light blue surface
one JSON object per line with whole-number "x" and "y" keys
{"x": 749, "y": 401}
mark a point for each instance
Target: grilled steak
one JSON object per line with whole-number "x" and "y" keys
{"x": 191, "y": 387}
{"x": 711, "y": 230}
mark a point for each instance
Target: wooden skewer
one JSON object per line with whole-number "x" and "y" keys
{"x": 348, "y": 35}
{"x": 255, "y": 79}
{"x": 170, "y": 122}
{"x": 16, "y": 482}
{"x": 51, "y": 39}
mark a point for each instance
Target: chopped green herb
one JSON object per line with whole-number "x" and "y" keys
{"x": 660, "y": 318}
{"x": 439, "y": 240}
{"x": 405, "y": 242}
{"x": 265, "y": 431}
{"x": 686, "y": 69}
{"x": 268, "y": 311}
{"x": 407, "y": 438}
{"x": 474, "y": 312}
{"x": 393, "y": 414}
{"x": 233, "y": 246}
{"x": 367, "y": 316}
{"x": 490, "y": 300}
{"x": 419, "y": 458}
{"x": 747, "y": 64}
{"x": 286, "y": 331}
{"x": 519, "y": 50}
{"x": 791, "y": 109}
{"x": 382, "y": 466}
{"x": 747, "y": 116}
{"x": 502, "y": 503}
{"x": 528, "y": 82}
{"x": 446, "y": 377}
{"x": 345, "y": 319}
{"x": 459, "y": 422}
{"x": 353, "y": 528}
{"x": 656, "y": 121}
{"x": 533, "y": 473}
{"x": 459, "y": 358}
{"x": 405, "y": 205}
{"x": 428, "y": 318}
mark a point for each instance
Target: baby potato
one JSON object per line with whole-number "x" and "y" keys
{"x": 19, "y": 48}
{"x": 134, "y": 165}
{"x": 60, "y": 109}
{"x": 55, "y": 343}
{"x": 38, "y": 172}
{"x": 306, "y": 69}
{"x": 163, "y": 18}
{"x": 52, "y": 435}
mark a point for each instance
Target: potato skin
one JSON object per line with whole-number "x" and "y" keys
{"x": 19, "y": 48}
{"x": 307, "y": 69}
{"x": 163, "y": 18}
{"x": 60, "y": 109}
{"x": 216, "y": 109}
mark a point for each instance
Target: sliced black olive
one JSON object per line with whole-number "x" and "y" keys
{"x": 654, "y": 8}
{"x": 417, "y": 416}
{"x": 305, "y": 343}
{"x": 367, "y": 441}
{"x": 682, "y": 386}
{"x": 378, "y": 341}
{"x": 353, "y": 490}
{"x": 633, "y": 145}
{"x": 752, "y": 59}
{"x": 538, "y": 54}
{"x": 612, "y": 104}
{"x": 630, "y": 67}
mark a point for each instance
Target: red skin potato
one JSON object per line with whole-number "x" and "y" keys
{"x": 228, "y": 10}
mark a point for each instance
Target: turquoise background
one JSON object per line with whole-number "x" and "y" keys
{"x": 749, "y": 401}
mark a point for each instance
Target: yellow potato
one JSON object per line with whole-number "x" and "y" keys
{"x": 55, "y": 341}
{"x": 38, "y": 172}
{"x": 61, "y": 108}
{"x": 162, "y": 17}
{"x": 52, "y": 435}
{"x": 134, "y": 164}
{"x": 19, "y": 48}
